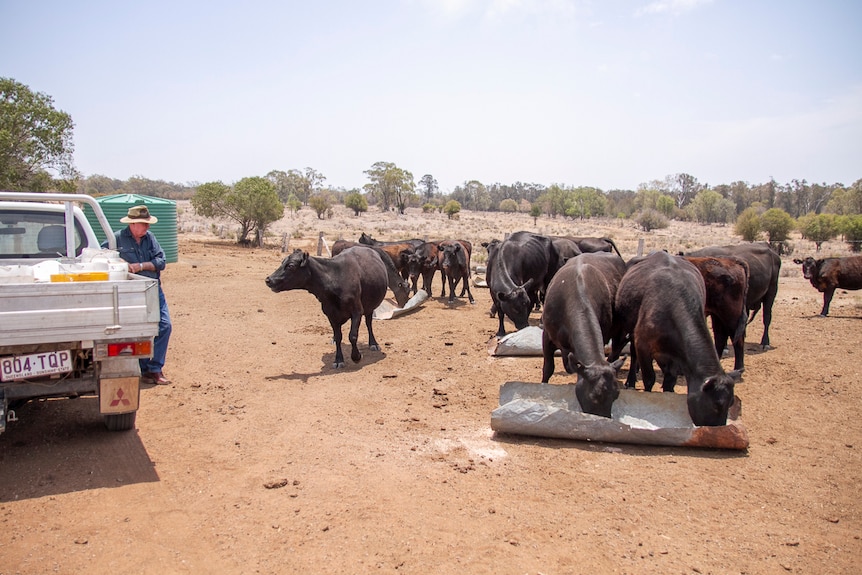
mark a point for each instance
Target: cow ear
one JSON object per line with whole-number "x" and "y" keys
{"x": 736, "y": 375}
{"x": 304, "y": 259}
{"x": 618, "y": 364}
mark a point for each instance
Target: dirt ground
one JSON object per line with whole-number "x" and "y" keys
{"x": 262, "y": 458}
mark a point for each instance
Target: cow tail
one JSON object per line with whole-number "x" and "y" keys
{"x": 613, "y": 245}
{"x": 753, "y": 314}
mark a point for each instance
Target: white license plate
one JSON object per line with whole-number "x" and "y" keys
{"x": 24, "y": 366}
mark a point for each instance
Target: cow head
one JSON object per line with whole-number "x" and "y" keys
{"x": 367, "y": 240}
{"x": 809, "y": 267}
{"x": 516, "y": 304}
{"x": 709, "y": 404}
{"x": 291, "y": 274}
{"x": 449, "y": 254}
{"x": 597, "y": 388}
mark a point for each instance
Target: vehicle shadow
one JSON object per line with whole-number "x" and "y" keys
{"x": 63, "y": 446}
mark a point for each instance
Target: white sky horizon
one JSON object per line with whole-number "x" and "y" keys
{"x": 606, "y": 94}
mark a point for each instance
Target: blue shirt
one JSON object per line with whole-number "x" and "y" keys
{"x": 148, "y": 250}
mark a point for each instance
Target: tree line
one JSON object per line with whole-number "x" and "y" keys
{"x": 36, "y": 154}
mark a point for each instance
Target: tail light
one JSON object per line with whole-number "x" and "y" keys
{"x": 124, "y": 349}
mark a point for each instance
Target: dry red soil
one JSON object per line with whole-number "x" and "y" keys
{"x": 262, "y": 458}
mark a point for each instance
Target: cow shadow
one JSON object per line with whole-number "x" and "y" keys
{"x": 832, "y": 314}
{"x": 456, "y": 304}
{"x": 369, "y": 357}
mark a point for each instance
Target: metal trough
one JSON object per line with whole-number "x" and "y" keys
{"x": 657, "y": 418}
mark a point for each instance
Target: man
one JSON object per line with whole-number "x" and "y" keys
{"x": 138, "y": 246}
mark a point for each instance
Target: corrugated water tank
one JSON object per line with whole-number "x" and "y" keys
{"x": 117, "y": 206}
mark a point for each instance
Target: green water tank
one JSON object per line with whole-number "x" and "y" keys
{"x": 116, "y": 207}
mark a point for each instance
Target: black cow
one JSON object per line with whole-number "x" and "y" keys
{"x": 348, "y": 286}
{"x": 593, "y": 245}
{"x": 726, "y": 280}
{"x": 764, "y": 266}
{"x": 567, "y": 248}
{"x": 828, "y": 274}
{"x": 578, "y": 320}
{"x": 517, "y": 268}
{"x": 424, "y": 262}
{"x": 455, "y": 265}
{"x": 660, "y": 303}
{"x": 400, "y": 288}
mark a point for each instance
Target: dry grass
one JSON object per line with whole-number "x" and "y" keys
{"x": 302, "y": 230}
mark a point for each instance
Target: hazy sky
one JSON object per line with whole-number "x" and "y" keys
{"x": 604, "y": 93}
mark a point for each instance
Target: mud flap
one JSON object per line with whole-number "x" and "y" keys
{"x": 119, "y": 395}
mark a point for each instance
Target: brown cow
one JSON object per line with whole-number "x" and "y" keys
{"x": 455, "y": 265}
{"x": 399, "y": 251}
{"x": 660, "y": 303}
{"x": 726, "y": 280}
{"x": 764, "y": 266}
{"x": 829, "y": 274}
{"x": 424, "y": 261}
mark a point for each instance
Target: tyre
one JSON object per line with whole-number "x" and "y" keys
{"x": 121, "y": 422}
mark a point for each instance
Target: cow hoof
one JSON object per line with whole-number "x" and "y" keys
{"x": 374, "y": 347}
{"x": 356, "y": 357}
{"x": 338, "y": 364}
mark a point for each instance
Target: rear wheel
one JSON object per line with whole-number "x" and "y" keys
{"x": 121, "y": 421}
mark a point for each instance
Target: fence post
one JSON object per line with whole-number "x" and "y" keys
{"x": 285, "y": 239}
{"x": 640, "y": 247}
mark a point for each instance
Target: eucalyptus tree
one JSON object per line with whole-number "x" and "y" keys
{"x": 391, "y": 184}
{"x": 429, "y": 186}
{"x": 252, "y": 203}
{"x": 35, "y": 141}
{"x": 818, "y": 228}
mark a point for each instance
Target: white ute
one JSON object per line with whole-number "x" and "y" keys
{"x": 73, "y": 321}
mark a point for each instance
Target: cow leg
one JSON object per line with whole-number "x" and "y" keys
{"x": 467, "y": 287}
{"x": 443, "y": 278}
{"x": 647, "y": 373}
{"x": 336, "y": 337}
{"x": 548, "y": 351}
{"x": 464, "y": 285}
{"x": 372, "y": 341}
{"x": 353, "y": 336}
{"x": 720, "y": 336}
{"x": 767, "y": 319}
{"x": 643, "y": 360}
{"x": 827, "y": 299}
{"x": 739, "y": 353}
{"x": 632, "y": 377}
{"x": 501, "y": 330}
{"x": 452, "y": 282}
{"x": 668, "y": 381}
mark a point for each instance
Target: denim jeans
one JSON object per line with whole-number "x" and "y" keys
{"x": 160, "y": 345}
